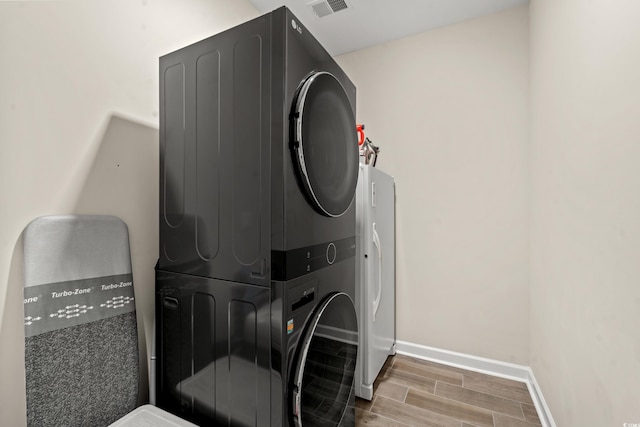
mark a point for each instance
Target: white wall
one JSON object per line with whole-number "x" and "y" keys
{"x": 585, "y": 253}
{"x": 449, "y": 109}
{"x": 78, "y": 133}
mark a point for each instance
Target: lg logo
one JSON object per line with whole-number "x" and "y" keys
{"x": 295, "y": 26}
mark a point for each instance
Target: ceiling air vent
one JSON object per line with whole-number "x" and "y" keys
{"x": 322, "y": 8}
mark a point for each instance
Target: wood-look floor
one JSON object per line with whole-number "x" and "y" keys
{"x": 413, "y": 392}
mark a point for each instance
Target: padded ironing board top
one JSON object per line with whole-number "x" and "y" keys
{"x": 73, "y": 247}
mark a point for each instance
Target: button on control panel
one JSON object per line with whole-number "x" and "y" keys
{"x": 331, "y": 253}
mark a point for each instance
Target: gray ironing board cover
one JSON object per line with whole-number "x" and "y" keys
{"x": 81, "y": 341}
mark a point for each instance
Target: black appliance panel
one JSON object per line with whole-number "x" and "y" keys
{"x": 297, "y": 223}
{"x": 213, "y": 358}
{"x": 215, "y": 156}
{"x": 296, "y": 314}
{"x": 287, "y": 265}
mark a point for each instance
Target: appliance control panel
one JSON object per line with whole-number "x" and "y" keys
{"x": 287, "y": 265}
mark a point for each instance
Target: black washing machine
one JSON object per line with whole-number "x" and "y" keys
{"x": 255, "y": 280}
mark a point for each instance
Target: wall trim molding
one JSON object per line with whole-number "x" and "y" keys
{"x": 483, "y": 365}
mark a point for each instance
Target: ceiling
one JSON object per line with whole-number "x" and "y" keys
{"x": 365, "y": 23}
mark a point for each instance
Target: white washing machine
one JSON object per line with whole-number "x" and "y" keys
{"x": 375, "y": 277}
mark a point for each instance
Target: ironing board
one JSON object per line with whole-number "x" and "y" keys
{"x": 81, "y": 340}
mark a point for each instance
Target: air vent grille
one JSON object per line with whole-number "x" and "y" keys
{"x": 322, "y": 8}
{"x": 337, "y": 5}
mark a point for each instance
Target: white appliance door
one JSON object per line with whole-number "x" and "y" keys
{"x": 378, "y": 285}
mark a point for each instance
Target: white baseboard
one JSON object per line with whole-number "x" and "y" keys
{"x": 486, "y": 366}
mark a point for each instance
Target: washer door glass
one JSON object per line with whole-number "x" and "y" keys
{"x": 325, "y": 143}
{"x": 323, "y": 382}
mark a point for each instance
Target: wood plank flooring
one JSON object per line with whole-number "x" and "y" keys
{"x": 413, "y": 392}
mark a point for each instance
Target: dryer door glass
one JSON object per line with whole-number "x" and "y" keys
{"x": 325, "y": 143}
{"x": 323, "y": 392}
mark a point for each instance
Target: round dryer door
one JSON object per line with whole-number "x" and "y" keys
{"x": 325, "y": 143}
{"x": 323, "y": 382}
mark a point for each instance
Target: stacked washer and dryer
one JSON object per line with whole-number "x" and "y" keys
{"x": 255, "y": 282}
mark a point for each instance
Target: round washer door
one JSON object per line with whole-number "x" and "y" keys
{"x": 325, "y": 143}
{"x": 323, "y": 381}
